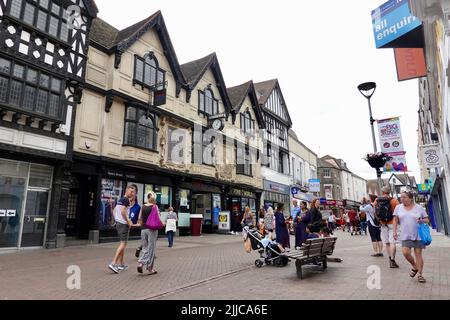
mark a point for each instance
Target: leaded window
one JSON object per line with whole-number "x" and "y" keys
{"x": 148, "y": 74}
{"x": 140, "y": 128}
{"x": 33, "y": 92}
{"x": 207, "y": 104}
{"x": 44, "y": 15}
{"x": 247, "y": 123}
{"x": 244, "y": 160}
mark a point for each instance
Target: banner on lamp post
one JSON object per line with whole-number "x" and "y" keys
{"x": 391, "y": 142}
{"x": 431, "y": 156}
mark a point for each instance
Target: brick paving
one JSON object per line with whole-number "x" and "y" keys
{"x": 216, "y": 267}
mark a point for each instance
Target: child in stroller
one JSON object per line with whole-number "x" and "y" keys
{"x": 270, "y": 251}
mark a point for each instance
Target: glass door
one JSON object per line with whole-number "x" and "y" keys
{"x": 13, "y": 185}
{"x": 35, "y": 218}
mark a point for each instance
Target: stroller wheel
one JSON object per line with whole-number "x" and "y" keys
{"x": 268, "y": 261}
{"x": 259, "y": 263}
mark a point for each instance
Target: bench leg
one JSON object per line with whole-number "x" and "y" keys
{"x": 298, "y": 265}
{"x": 325, "y": 263}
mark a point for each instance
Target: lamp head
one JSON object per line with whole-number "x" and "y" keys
{"x": 367, "y": 89}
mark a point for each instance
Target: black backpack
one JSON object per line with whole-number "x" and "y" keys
{"x": 383, "y": 211}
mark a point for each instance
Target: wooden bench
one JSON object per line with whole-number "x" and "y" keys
{"x": 314, "y": 251}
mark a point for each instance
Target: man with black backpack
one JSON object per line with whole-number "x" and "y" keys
{"x": 384, "y": 213}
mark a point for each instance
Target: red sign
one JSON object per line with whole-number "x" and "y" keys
{"x": 410, "y": 63}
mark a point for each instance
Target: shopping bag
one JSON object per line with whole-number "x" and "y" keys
{"x": 153, "y": 220}
{"x": 425, "y": 234}
{"x": 248, "y": 245}
{"x": 171, "y": 225}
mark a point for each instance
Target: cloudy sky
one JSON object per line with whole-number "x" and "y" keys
{"x": 319, "y": 50}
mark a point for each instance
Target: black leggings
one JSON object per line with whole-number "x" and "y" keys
{"x": 375, "y": 233}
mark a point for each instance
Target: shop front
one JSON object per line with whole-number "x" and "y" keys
{"x": 207, "y": 202}
{"x": 25, "y": 190}
{"x": 275, "y": 193}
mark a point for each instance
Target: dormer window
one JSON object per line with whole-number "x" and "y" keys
{"x": 247, "y": 123}
{"x": 207, "y": 104}
{"x": 148, "y": 74}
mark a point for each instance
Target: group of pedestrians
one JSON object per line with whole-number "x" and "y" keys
{"x": 385, "y": 214}
{"x": 129, "y": 214}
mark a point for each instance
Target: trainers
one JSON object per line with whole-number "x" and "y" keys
{"x": 122, "y": 267}
{"x": 113, "y": 268}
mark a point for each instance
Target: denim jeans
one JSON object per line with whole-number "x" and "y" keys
{"x": 170, "y": 237}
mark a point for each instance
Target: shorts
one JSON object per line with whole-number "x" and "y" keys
{"x": 413, "y": 244}
{"x": 387, "y": 233}
{"x": 123, "y": 231}
{"x": 375, "y": 233}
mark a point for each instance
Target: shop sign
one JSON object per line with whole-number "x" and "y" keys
{"x": 295, "y": 191}
{"x": 115, "y": 174}
{"x": 314, "y": 185}
{"x": 276, "y": 187}
{"x": 431, "y": 156}
{"x": 2, "y": 213}
{"x": 242, "y": 193}
{"x": 391, "y": 21}
{"x": 184, "y": 220}
{"x": 224, "y": 220}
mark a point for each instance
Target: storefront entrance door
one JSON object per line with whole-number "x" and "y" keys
{"x": 35, "y": 218}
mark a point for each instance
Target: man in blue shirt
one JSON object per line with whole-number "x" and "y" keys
{"x": 135, "y": 208}
{"x": 296, "y": 210}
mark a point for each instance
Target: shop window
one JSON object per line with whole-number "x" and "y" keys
{"x": 40, "y": 177}
{"x": 111, "y": 192}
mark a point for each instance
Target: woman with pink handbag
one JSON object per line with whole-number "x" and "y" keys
{"x": 150, "y": 221}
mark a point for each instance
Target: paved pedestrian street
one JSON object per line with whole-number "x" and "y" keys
{"x": 217, "y": 267}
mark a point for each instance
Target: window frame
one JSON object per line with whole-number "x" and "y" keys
{"x": 154, "y": 119}
{"x": 158, "y": 70}
{"x": 61, "y": 18}
{"x": 245, "y": 169}
{"x": 25, "y": 82}
{"x": 327, "y": 173}
{"x": 246, "y": 119}
{"x": 202, "y": 107}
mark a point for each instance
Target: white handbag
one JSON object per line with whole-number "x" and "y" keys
{"x": 171, "y": 225}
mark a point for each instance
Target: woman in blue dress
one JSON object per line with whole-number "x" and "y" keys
{"x": 303, "y": 219}
{"x": 281, "y": 229}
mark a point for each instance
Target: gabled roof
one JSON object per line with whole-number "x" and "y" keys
{"x": 91, "y": 7}
{"x": 237, "y": 96}
{"x": 265, "y": 89}
{"x": 194, "y": 71}
{"x": 404, "y": 179}
{"x": 118, "y": 41}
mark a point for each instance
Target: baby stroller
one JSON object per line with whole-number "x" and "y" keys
{"x": 270, "y": 252}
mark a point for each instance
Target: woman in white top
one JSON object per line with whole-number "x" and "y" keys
{"x": 409, "y": 215}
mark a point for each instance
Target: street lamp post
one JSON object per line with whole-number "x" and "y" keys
{"x": 367, "y": 90}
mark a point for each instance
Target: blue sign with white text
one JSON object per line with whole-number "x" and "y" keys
{"x": 392, "y": 20}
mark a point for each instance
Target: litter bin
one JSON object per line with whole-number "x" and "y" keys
{"x": 196, "y": 225}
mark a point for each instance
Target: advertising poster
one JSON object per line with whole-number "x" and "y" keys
{"x": 111, "y": 193}
{"x": 391, "y": 142}
{"x": 224, "y": 221}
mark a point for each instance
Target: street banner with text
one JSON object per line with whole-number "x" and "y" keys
{"x": 431, "y": 156}
{"x": 391, "y": 142}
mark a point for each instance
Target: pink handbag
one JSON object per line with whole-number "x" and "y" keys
{"x": 153, "y": 220}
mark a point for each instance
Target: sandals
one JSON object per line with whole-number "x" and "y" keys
{"x": 421, "y": 279}
{"x": 413, "y": 273}
{"x": 152, "y": 272}
{"x": 139, "y": 268}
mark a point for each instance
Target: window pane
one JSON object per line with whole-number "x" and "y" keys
{"x": 54, "y": 105}
{"x": 41, "y": 105}
{"x": 30, "y": 94}
{"x": 16, "y": 8}
{"x": 53, "y": 26}
{"x": 201, "y": 101}
{"x": 44, "y": 3}
{"x": 150, "y": 61}
{"x": 3, "y": 88}
{"x": 28, "y": 16}
{"x": 64, "y": 32}
{"x": 152, "y": 76}
{"x": 216, "y": 107}
{"x": 142, "y": 137}
{"x": 15, "y": 93}
{"x": 5, "y": 66}
{"x": 139, "y": 72}
{"x": 42, "y": 21}
{"x": 55, "y": 8}
{"x": 131, "y": 113}
{"x": 130, "y": 133}
{"x": 32, "y": 76}
{"x": 160, "y": 79}
{"x": 44, "y": 81}
{"x": 147, "y": 75}
{"x": 56, "y": 85}
{"x": 208, "y": 105}
{"x": 19, "y": 71}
